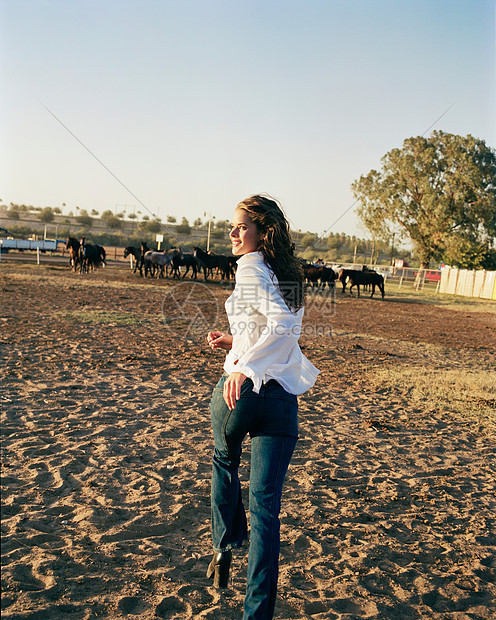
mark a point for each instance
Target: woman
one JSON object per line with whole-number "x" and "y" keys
{"x": 264, "y": 371}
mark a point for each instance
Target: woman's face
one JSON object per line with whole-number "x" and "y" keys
{"x": 244, "y": 234}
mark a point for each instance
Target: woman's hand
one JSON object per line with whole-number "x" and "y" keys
{"x": 219, "y": 340}
{"x": 232, "y": 388}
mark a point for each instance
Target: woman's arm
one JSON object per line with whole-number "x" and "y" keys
{"x": 280, "y": 332}
{"x": 220, "y": 340}
{"x": 232, "y": 386}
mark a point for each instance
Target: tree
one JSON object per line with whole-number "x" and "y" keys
{"x": 111, "y": 221}
{"x": 84, "y": 218}
{"x": 13, "y": 212}
{"x": 184, "y": 228}
{"x": 152, "y": 226}
{"x": 46, "y": 215}
{"x": 440, "y": 192}
{"x": 333, "y": 241}
{"x": 309, "y": 240}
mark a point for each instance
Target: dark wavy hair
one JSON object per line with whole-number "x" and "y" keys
{"x": 277, "y": 247}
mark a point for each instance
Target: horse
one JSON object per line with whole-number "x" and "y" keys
{"x": 209, "y": 262}
{"x": 91, "y": 257}
{"x": 156, "y": 261}
{"x": 233, "y": 264}
{"x": 328, "y": 276}
{"x": 357, "y": 278}
{"x": 319, "y": 273}
{"x": 73, "y": 246}
{"x": 143, "y": 250}
{"x": 226, "y": 265}
{"x": 132, "y": 251}
{"x": 184, "y": 260}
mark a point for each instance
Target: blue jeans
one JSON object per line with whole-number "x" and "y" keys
{"x": 271, "y": 420}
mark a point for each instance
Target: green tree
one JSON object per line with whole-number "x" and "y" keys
{"x": 84, "y": 218}
{"x": 184, "y": 228}
{"x": 309, "y": 239}
{"x": 46, "y": 215}
{"x": 111, "y": 221}
{"x": 333, "y": 241}
{"x": 171, "y": 219}
{"x": 152, "y": 226}
{"x": 13, "y": 212}
{"x": 438, "y": 191}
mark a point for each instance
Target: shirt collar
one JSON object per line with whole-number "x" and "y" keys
{"x": 250, "y": 256}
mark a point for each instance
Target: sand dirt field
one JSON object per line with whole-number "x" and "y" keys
{"x": 389, "y": 507}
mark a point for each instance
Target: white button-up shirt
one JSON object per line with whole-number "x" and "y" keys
{"x": 265, "y": 331}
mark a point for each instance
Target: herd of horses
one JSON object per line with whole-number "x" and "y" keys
{"x": 321, "y": 275}
{"x": 148, "y": 262}
{"x": 154, "y": 263}
{"x": 85, "y": 257}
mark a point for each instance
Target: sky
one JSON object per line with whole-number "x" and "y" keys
{"x": 185, "y": 107}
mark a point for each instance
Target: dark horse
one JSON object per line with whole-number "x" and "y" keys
{"x": 132, "y": 251}
{"x": 73, "y": 246}
{"x": 184, "y": 260}
{"x": 208, "y": 262}
{"x": 319, "y": 273}
{"x": 357, "y": 278}
{"x": 91, "y": 257}
{"x": 139, "y": 255}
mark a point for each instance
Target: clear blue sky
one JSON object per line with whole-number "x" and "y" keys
{"x": 195, "y": 104}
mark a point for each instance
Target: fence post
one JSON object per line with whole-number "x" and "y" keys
{"x": 419, "y": 280}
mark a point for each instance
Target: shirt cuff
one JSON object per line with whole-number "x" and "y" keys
{"x": 251, "y": 374}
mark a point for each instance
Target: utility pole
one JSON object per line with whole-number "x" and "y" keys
{"x": 210, "y": 218}
{"x": 208, "y": 235}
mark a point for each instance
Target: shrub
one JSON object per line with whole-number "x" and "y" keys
{"x": 13, "y": 213}
{"x": 84, "y": 219}
{"x": 46, "y": 215}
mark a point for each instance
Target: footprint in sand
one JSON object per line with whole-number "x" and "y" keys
{"x": 27, "y": 581}
{"x": 172, "y": 607}
{"x": 132, "y": 605}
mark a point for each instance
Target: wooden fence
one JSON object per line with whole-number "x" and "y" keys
{"x": 468, "y": 282}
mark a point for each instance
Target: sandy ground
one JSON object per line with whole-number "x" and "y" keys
{"x": 389, "y": 508}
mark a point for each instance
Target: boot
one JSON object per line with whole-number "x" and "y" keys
{"x": 218, "y": 569}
